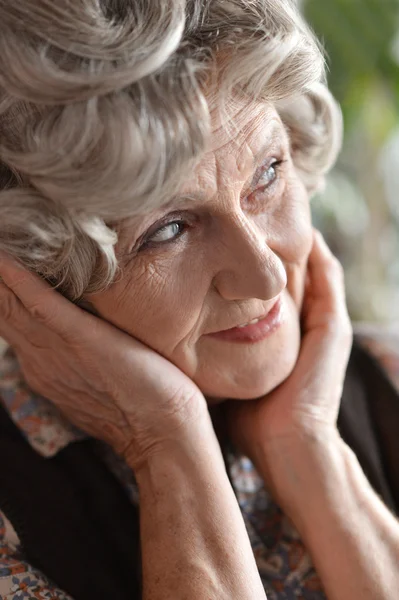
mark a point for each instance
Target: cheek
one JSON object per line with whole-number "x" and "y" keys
{"x": 152, "y": 303}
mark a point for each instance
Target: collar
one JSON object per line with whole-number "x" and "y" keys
{"x": 41, "y": 423}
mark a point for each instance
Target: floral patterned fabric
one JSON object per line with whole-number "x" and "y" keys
{"x": 283, "y": 561}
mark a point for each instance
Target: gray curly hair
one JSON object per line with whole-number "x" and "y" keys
{"x": 103, "y": 111}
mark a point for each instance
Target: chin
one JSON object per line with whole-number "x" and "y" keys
{"x": 260, "y": 370}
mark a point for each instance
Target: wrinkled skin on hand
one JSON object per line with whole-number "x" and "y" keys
{"x": 104, "y": 381}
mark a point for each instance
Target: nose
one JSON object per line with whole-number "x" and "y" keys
{"x": 247, "y": 266}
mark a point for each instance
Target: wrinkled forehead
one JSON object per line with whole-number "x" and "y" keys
{"x": 239, "y": 138}
{"x": 236, "y": 144}
{"x": 237, "y": 122}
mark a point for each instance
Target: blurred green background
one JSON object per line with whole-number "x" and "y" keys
{"x": 359, "y": 211}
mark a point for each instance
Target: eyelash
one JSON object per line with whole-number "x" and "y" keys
{"x": 146, "y": 243}
{"x": 276, "y": 164}
{"x": 148, "y": 240}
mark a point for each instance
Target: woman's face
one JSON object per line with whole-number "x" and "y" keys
{"x": 237, "y": 253}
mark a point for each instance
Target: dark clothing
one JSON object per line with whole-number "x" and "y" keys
{"x": 68, "y": 497}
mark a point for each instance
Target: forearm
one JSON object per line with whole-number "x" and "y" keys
{"x": 351, "y": 535}
{"x": 194, "y": 541}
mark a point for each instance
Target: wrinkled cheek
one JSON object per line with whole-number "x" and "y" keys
{"x": 161, "y": 309}
{"x": 142, "y": 304}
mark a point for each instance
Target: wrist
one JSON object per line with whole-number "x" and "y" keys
{"x": 189, "y": 517}
{"x": 189, "y": 450}
{"x": 302, "y": 470}
{"x": 157, "y": 435}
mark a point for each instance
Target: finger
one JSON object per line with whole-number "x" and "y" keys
{"x": 324, "y": 309}
{"x": 41, "y": 300}
{"x": 325, "y": 272}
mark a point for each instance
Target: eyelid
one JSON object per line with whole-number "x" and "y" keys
{"x": 181, "y": 216}
{"x": 265, "y": 166}
{"x": 175, "y": 217}
{"x": 262, "y": 169}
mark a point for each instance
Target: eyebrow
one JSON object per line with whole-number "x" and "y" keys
{"x": 272, "y": 137}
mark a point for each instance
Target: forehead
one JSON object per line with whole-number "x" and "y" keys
{"x": 239, "y": 139}
{"x": 239, "y": 123}
{"x": 253, "y": 129}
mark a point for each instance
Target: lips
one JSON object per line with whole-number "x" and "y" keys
{"x": 250, "y": 322}
{"x": 255, "y": 330}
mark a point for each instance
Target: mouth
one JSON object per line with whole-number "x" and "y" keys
{"x": 256, "y": 330}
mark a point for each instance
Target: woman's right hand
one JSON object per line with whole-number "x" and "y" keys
{"x": 104, "y": 381}
{"x": 122, "y": 392}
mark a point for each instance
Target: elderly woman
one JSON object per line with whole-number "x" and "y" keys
{"x": 179, "y": 339}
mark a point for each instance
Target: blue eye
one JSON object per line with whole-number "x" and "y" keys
{"x": 265, "y": 176}
{"x": 166, "y": 233}
{"x": 270, "y": 174}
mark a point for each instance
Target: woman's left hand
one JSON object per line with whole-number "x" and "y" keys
{"x": 305, "y": 406}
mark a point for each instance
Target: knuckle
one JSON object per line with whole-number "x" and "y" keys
{"x": 40, "y": 311}
{"x": 37, "y": 312}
